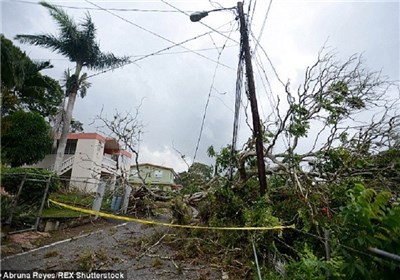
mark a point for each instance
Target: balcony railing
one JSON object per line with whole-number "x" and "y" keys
{"x": 109, "y": 163}
{"x": 66, "y": 165}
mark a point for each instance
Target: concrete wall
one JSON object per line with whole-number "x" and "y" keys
{"x": 87, "y": 164}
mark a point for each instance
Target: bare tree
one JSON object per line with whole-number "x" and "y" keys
{"x": 127, "y": 129}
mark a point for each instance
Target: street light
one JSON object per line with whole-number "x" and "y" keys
{"x": 197, "y": 16}
{"x": 257, "y": 131}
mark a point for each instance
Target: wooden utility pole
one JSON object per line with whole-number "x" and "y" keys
{"x": 257, "y": 132}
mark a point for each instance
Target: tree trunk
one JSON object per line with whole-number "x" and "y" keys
{"x": 57, "y": 124}
{"x": 67, "y": 122}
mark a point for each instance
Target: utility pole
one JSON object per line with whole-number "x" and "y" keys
{"x": 253, "y": 101}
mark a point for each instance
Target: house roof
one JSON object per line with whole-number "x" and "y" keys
{"x": 157, "y": 166}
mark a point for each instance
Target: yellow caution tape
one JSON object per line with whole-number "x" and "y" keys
{"x": 129, "y": 219}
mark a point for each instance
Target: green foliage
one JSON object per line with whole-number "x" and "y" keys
{"x": 368, "y": 220}
{"x": 195, "y": 179}
{"x": 22, "y": 84}
{"x": 76, "y": 126}
{"x": 334, "y": 159}
{"x": 388, "y": 165}
{"x": 22, "y": 213}
{"x": 34, "y": 186}
{"x": 201, "y": 169}
{"x": 224, "y": 159}
{"x": 311, "y": 267}
{"x": 25, "y": 138}
{"x": 74, "y": 197}
{"x": 299, "y": 122}
{"x": 260, "y": 214}
{"x": 75, "y": 41}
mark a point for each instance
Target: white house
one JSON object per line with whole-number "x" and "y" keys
{"x": 88, "y": 158}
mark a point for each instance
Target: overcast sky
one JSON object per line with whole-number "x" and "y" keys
{"x": 174, "y": 86}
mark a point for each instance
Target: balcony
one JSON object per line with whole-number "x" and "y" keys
{"x": 108, "y": 163}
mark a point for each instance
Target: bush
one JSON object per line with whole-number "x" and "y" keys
{"x": 34, "y": 186}
{"x": 22, "y": 213}
{"x": 368, "y": 220}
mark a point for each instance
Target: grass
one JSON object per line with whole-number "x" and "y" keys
{"x": 57, "y": 212}
{"x": 75, "y": 198}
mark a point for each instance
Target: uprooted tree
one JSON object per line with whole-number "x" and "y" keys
{"x": 332, "y": 154}
{"x": 354, "y": 116}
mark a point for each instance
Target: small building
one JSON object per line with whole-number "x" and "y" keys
{"x": 153, "y": 175}
{"x": 89, "y": 158}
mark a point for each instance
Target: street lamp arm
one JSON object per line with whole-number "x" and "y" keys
{"x": 197, "y": 16}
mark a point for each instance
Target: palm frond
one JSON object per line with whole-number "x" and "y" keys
{"x": 88, "y": 30}
{"x": 107, "y": 60}
{"x": 66, "y": 24}
{"x": 42, "y": 65}
{"x": 83, "y": 85}
{"x": 77, "y": 42}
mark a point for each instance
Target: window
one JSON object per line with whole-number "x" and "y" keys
{"x": 70, "y": 148}
{"x": 158, "y": 173}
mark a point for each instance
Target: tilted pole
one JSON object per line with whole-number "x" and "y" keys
{"x": 257, "y": 132}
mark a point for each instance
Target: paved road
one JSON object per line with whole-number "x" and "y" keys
{"x": 126, "y": 246}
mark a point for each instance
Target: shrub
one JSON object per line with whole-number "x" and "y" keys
{"x": 22, "y": 213}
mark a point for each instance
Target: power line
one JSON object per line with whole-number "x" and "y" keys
{"x": 263, "y": 25}
{"x": 269, "y": 96}
{"x": 156, "y": 53}
{"x": 144, "y": 55}
{"x": 250, "y": 17}
{"x": 198, "y": 50}
{"x": 206, "y": 25}
{"x": 111, "y": 9}
{"x": 238, "y": 99}
{"x": 269, "y": 60}
{"x": 208, "y": 100}
{"x": 155, "y": 34}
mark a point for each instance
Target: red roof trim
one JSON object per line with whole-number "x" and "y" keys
{"x": 96, "y": 136}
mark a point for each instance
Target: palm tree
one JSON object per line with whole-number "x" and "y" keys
{"x": 77, "y": 42}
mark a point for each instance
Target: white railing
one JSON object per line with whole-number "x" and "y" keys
{"x": 66, "y": 165}
{"x": 109, "y": 163}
